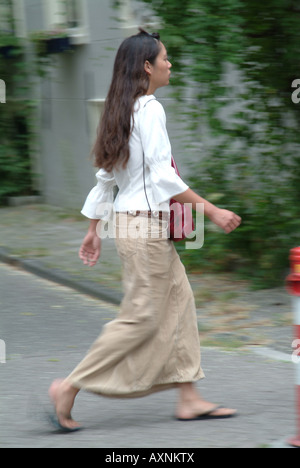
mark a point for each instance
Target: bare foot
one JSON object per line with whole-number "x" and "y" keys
{"x": 191, "y": 405}
{"x": 62, "y": 395}
{"x": 196, "y": 408}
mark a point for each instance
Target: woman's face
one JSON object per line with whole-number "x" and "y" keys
{"x": 159, "y": 73}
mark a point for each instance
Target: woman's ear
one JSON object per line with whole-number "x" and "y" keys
{"x": 148, "y": 67}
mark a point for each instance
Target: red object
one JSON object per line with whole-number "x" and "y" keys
{"x": 295, "y": 260}
{"x": 293, "y": 286}
{"x": 293, "y": 280}
{"x": 295, "y": 441}
{"x": 181, "y": 217}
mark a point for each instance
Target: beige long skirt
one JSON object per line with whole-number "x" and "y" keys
{"x": 153, "y": 344}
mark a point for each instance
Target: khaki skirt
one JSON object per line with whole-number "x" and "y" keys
{"x": 153, "y": 344}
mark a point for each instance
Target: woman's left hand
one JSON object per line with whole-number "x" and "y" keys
{"x": 227, "y": 220}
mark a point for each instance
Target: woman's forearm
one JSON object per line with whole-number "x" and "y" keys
{"x": 227, "y": 220}
{"x": 192, "y": 197}
{"x": 94, "y": 226}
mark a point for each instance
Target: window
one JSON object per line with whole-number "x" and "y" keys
{"x": 73, "y": 18}
{"x": 128, "y": 17}
{"x": 70, "y": 15}
{"x": 134, "y": 14}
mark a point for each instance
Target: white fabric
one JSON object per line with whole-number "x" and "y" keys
{"x": 162, "y": 183}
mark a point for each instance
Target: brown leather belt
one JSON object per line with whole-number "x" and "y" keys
{"x": 161, "y": 215}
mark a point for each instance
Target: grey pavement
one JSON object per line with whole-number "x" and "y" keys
{"x": 45, "y": 240}
{"x": 47, "y": 327}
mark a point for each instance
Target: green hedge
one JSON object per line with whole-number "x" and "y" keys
{"x": 249, "y": 163}
{"x": 16, "y": 121}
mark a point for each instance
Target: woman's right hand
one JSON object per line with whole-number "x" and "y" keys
{"x": 90, "y": 249}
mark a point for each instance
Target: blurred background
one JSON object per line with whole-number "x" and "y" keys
{"x": 231, "y": 118}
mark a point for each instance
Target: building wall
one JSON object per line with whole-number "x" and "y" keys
{"x": 71, "y": 96}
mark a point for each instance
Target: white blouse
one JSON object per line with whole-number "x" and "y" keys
{"x": 149, "y": 136}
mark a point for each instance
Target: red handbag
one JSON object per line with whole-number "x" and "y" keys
{"x": 181, "y": 217}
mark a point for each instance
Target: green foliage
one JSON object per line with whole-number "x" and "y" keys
{"x": 246, "y": 125}
{"x": 16, "y": 121}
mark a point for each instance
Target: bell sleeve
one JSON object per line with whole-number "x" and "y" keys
{"x": 165, "y": 183}
{"x": 99, "y": 203}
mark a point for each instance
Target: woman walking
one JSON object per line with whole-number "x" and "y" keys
{"x": 153, "y": 344}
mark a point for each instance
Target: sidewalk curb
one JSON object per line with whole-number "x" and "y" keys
{"x": 60, "y": 277}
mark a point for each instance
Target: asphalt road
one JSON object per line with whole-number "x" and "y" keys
{"x": 48, "y": 328}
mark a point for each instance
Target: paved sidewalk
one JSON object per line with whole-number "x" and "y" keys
{"x": 48, "y": 329}
{"x": 246, "y": 341}
{"x": 45, "y": 240}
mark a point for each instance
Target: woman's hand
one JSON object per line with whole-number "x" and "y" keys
{"x": 90, "y": 250}
{"x": 227, "y": 220}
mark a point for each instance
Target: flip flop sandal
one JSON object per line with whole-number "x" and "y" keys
{"x": 208, "y": 415}
{"x": 53, "y": 419}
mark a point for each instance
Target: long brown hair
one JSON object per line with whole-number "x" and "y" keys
{"x": 130, "y": 81}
